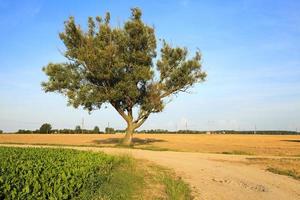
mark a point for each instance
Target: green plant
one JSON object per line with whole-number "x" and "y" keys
{"x": 42, "y": 173}
{"x": 176, "y": 188}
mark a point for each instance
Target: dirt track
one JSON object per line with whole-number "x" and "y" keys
{"x": 217, "y": 176}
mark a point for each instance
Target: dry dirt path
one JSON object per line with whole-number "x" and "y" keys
{"x": 217, "y": 176}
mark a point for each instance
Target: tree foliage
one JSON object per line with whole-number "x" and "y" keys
{"x": 109, "y": 130}
{"x": 96, "y": 129}
{"x": 78, "y": 129}
{"x": 115, "y": 65}
{"x": 45, "y": 128}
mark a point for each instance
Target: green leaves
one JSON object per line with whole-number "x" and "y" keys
{"x": 177, "y": 73}
{"x": 28, "y": 173}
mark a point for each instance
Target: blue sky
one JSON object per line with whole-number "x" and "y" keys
{"x": 251, "y": 52}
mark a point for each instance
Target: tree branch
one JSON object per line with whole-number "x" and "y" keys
{"x": 141, "y": 121}
{"x": 141, "y": 115}
{"x": 121, "y": 112}
{"x": 174, "y": 91}
{"x": 130, "y": 116}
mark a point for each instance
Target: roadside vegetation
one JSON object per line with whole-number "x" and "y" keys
{"x": 237, "y": 152}
{"x": 283, "y": 166}
{"x": 162, "y": 183}
{"x": 45, "y": 173}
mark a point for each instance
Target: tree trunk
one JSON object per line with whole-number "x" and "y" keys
{"x": 127, "y": 140}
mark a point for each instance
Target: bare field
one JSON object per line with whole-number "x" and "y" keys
{"x": 279, "y": 145}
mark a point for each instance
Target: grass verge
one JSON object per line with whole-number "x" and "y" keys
{"x": 176, "y": 189}
{"x": 283, "y": 166}
{"x": 292, "y": 173}
{"x": 168, "y": 185}
{"x": 237, "y": 152}
{"x": 153, "y": 148}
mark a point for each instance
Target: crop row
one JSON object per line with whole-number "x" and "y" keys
{"x": 41, "y": 173}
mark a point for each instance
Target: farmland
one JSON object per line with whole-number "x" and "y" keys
{"x": 278, "y": 145}
{"x": 46, "y": 173}
{"x": 52, "y": 173}
{"x": 257, "y": 159}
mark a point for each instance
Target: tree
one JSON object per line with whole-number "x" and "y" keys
{"x": 1, "y": 131}
{"x": 109, "y": 130}
{"x": 115, "y": 65}
{"x": 45, "y": 128}
{"x": 96, "y": 129}
{"x": 78, "y": 129}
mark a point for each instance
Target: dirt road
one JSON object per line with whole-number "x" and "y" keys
{"x": 217, "y": 176}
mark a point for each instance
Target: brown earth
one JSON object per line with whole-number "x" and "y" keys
{"x": 218, "y": 176}
{"x": 231, "y": 144}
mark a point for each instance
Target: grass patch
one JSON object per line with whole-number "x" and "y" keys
{"x": 153, "y": 148}
{"x": 176, "y": 189}
{"x": 171, "y": 186}
{"x": 291, "y": 173}
{"x": 283, "y": 166}
{"x": 126, "y": 182}
{"x": 237, "y": 152}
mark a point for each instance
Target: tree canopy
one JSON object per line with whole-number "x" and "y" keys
{"x": 115, "y": 65}
{"x": 45, "y": 128}
{"x": 96, "y": 129}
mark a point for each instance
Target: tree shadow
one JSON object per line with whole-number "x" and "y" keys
{"x": 135, "y": 141}
{"x": 291, "y": 140}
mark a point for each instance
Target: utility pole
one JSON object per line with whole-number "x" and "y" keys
{"x": 82, "y": 125}
{"x": 255, "y": 129}
{"x": 186, "y": 126}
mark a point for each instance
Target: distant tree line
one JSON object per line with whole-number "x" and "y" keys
{"x": 260, "y": 132}
{"x": 155, "y": 131}
{"x": 47, "y": 128}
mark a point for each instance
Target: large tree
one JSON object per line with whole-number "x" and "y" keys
{"x": 115, "y": 65}
{"x": 45, "y": 128}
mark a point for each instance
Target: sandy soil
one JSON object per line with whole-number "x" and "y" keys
{"x": 218, "y": 176}
{"x": 248, "y": 144}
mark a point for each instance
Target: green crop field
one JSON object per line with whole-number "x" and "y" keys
{"x": 29, "y": 173}
{"x": 48, "y": 173}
